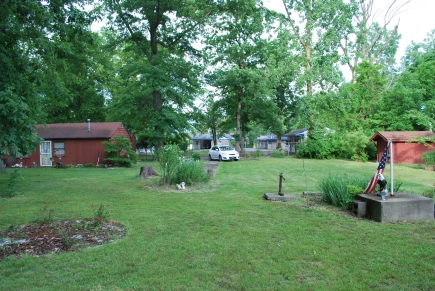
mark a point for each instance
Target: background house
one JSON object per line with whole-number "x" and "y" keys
{"x": 74, "y": 143}
{"x": 403, "y": 152}
{"x": 205, "y": 141}
{"x": 270, "y": 142}
{"x": 294, "y": 139}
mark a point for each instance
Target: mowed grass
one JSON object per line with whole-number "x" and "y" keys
{"x": 221, "y": 235}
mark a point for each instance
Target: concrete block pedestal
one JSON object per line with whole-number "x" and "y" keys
{"x": 400, "y": 207}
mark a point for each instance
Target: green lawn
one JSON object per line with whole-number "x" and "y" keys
{"x": 222, "y": 235}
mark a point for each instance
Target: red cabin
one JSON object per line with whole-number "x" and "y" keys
{"x": 404, "y": 151}
{"x": 74, "y": 143}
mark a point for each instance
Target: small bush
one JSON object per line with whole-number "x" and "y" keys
{"x": 46, "y": 215}
{"x": 429, "y": 158}
{"x": 195, "y": 156}
{"x": 278, "y": 153}
{"x": 257, "y": 154}
{"x": 248, "y": 155}
{"x": 101, "y": 214}
{"x": 70, "y": 166}
{"x": 190, "y": 172}
{"x": 169, "y": 159}
{"x": 430, "y": 193}
{"x": 340, "y": 190}
{"x": 120, "y": 152}
{"x": 14, "y": 178}
{"x": 89, "y": 165}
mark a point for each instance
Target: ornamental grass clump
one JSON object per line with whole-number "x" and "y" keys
{"x": 429, "y": 159}
{"x": 340, "y": 190}
{"x": 189, "y": 171}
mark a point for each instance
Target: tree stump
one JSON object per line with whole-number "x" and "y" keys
{"x": 147, "y": 171}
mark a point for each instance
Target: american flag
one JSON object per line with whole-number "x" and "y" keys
{"x": 372, "y": 184}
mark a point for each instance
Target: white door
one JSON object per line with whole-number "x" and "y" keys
{"x": 45, "y": 150}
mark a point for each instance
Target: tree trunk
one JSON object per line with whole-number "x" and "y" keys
{"x": 238, "y": 129}
{"x": 147, "y": 171}
{"x": 2, "y": 167}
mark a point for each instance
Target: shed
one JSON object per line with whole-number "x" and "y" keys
{"x": 404, "y": 151}
{"x": 74, "y": 143}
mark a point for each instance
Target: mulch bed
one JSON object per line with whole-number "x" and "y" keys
{"x": 57, "y": 237}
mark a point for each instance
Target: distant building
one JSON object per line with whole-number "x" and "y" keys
{"x": 205, "y": 141}
{"x": 404, "y": 151}
{"x": 295, "y": 138}
{"x": 74, "y": 143}
{"x": 270, "y": 142}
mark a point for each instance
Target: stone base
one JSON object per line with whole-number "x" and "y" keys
{"x": 276, "y": 197}
{"x": 400, "y": 207}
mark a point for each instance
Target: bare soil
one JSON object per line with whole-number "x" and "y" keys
{"x": 57, "y": 237}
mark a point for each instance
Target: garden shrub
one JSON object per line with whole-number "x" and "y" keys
{"x": 89, "y": 165}
{"x": 189, "y": 171}
{"x": 120, "y": 153}
{"x": 195, "y": 155}
{"x": 429, "y": 158}
{"x": 430, "y": 193}
{"x": 168, "y": 157}
{"x": 355, "y": 146}
{"x": 257, "y": 153}
{"x": 340, "y": 190}
{"x": 278, "y": 153}
{"x": 14, "y": 178}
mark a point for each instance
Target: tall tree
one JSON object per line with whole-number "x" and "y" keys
{"x": 236, "y": 49}
{"x": 368, "y": 40}
{"x": 160, "y": 66}
{"x": 74, "y": 88}
{"x": 284, "y": 72}
{"x": 317, "y": 25}
{"x": 26, "y": 52}
{"x": 410, "y": 104}
{"x": 210, "y": 116}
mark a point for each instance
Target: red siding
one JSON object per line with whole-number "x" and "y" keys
{"x": 405, "y": 153}
{"x": 79, "y": 151}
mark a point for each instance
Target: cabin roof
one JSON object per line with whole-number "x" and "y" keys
{"x": 78, "y": 130}
{"x": 400, "y": 136}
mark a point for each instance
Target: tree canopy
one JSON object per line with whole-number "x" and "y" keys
{"x": 163, "y": 67}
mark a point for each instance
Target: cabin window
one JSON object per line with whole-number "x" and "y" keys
{"x": 59, "y": 148}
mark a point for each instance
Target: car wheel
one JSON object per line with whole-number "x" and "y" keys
{"x": 209, "y": 158}
{"x": 236, "y": 160}
{"x": 220, "y": 158}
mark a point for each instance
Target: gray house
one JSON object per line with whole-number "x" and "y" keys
{"x": 270, "y": 142}
{"x": 205, "y": 141}
{"x": 294, "y": 139}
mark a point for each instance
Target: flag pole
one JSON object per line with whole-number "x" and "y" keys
{"x": 391, "y": 168}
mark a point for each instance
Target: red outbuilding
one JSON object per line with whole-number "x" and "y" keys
{"x": 406, "y": 150}
{"x": 74, "y": 143}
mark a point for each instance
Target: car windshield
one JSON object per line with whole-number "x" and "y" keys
{"x": 226, "y": 148}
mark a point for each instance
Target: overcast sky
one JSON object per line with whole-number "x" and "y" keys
{"x": 417, "y": 19}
